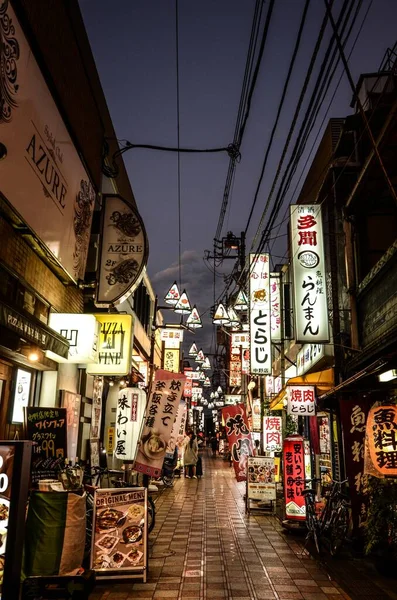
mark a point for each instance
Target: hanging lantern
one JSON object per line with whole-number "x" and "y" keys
{"x": 206, "y": 364}
{"x": 193, "y": 350}
{"x": 241, "y": 302}
{"x": 219, "y": 390}
{"x": 172, "y": 296}
{"x": 381, "y": 439}
{"x": 220, "y": 316}
{"x": 233, "y": 318}
{"x": 182, "y": 307}
{"x": 200, "y": 358}
{"x": 212, "y": 395}
{"x": 207, "y": 382}
{"x": 193, "y": 321}
{"x": 201, "y": 376}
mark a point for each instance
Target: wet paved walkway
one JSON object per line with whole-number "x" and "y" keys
{"x": 205, "y": 547}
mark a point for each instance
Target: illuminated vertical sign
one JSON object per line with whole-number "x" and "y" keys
{"x": 259, "y": 308}
{"x": 301, "y": 400}
{"x": 275, "y": 307}
{"x": 171, "y": 360}
{"x": 294, "y": 478}
{"x": 272, "y": 434}
{"x": 235, "y": 366}
{"x": 311, "y": 309}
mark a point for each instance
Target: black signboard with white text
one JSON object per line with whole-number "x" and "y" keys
{"x": 47, "y": 428}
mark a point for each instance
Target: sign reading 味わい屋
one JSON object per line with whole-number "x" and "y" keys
{"x": 42, "y": 173}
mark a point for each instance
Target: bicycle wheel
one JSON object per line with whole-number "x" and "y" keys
{"x": 311, "y": 524}
{"x": 338, "y": 530}
{"x": 151, "y": 514}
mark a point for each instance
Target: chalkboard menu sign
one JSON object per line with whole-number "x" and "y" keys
{"x": 47, "y": 428}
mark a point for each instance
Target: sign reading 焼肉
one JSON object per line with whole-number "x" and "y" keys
{"x": 301, "y": 400}
{"x": 294, "y": 477}
{"x": 131, "y": 404}
{"x": 119, "y": 532}
{"x": 238, "y": 438}
{"x": 272, "y": 434}
{"x": 260, "y": 315}
{"x": 161, "y": 410}
{"x": 311, "y": 307}
{"x": 260, "y": 479}
{"x": 47, "y": 428}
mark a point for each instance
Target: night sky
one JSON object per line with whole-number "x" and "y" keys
{"x": 134, "y": 45}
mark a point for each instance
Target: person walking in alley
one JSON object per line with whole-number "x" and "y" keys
{"x": 190, "y": 456}
{"x": 214, "y": 444}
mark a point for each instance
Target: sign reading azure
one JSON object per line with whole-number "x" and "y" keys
{"x": 124, "y": 251}
{"x": 42, "y": 173}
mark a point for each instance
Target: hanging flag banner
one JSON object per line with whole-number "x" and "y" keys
{"x": 301, "y": 400}
{"x": 275, "y": 306}
{"x": 311, "y": 308}
{"x": 238, "y": 437}
{"x": 256, "y": 415}
{"x": 259, "y": 311}
{"x": 161, "y": 410}
{"x": 294, "y": 478}
{"x": 175, "y": 438}
{"x": 124, "y": 251}
{"x": 171, "y": 360}
{"x": 272, "y": 434}
{"x": 131, "y": 404}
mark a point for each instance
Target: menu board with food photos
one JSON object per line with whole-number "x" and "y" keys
{"x": 47, "y": 428}
{"x": 260, "y": 481}
{"x": 119, "y": 537}
{"x": 6, "y": 470}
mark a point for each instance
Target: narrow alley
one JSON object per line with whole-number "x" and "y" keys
{"x": 204, "y": 546}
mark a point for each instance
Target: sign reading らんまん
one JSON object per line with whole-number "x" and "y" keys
{"x": 42, "y": 173}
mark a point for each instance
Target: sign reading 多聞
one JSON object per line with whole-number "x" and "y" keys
{"x": 42, "y": 173}
{"x": 259, "y": 315}
{"x": 124, "y": 251}
{"x": 311, "y": 307}
{"x": 114, "y": 345}
{"x": 161, "y": 410}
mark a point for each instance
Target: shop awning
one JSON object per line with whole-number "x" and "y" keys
{"x": 32, "y": 330}
{"x": 371, "y": 369}
{"x": 322, "y": 380}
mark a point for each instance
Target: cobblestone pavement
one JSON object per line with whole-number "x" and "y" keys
{"x": 205, "y": 547}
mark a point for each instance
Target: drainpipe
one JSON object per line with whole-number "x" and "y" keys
{"x": 351, "y": 281}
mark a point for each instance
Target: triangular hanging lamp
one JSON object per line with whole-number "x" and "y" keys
{"x": 241, "y": 302}
{"x": 173, "y": 295}
{"x": 193, "y": 350}
{"x": 182, "y": 307}
{"x": 206, "y": 364}
{"x": 220, "y": 316}
{"x": 193, "y": 321}
{"x": 200, "y": 358}
{"x": 201, "y": 376}
{"x": 207, "y": 382}
{"x": 233, "y": 318}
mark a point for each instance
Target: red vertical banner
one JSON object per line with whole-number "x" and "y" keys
{"x": 238, "y": 437}
{"x": 294, "y": 477}
{"x": 353, "y": 414}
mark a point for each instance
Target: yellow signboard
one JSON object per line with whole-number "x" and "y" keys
{"x": 110, "y": 440}
{"x": 171, "y": 359}
{"x": 114, "y": 345}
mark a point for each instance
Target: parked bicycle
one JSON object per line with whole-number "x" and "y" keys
{"x": 333, "y": 522}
